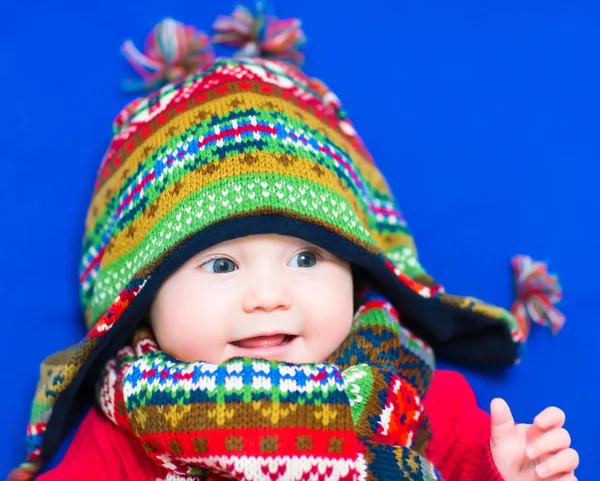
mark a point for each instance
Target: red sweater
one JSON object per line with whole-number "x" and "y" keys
{"x": 459, "y": 447}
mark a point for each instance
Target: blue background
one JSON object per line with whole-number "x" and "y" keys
{"x": 483, "y": 115}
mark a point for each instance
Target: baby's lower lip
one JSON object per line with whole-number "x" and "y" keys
{"x": 261, "y": 342}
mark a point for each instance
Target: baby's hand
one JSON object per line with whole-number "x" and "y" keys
{"x": 532, "y": 452}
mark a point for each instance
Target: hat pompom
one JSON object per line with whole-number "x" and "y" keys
{"x": 537, "y": 292}
{"x": 258, "y": 34}
{"x": 172, "y": 51}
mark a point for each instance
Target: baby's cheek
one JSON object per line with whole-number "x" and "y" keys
{"x": 327, "y": 334}
{"x": 192, "y": 343}
{"x": 339, "y": 330}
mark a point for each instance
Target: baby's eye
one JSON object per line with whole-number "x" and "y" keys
{"x": 304, "y": 259}
{"x": 222, "y": 265}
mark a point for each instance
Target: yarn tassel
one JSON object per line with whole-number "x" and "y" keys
{"x": 258, "y": 34}
{"x": 537, "y": 292}
{"x": 172, "y": 51}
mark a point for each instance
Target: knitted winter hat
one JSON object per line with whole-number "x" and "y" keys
{"x": 241, "y": 147}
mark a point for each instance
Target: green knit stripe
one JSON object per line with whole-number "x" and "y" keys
{"x": 359, "y": 385}
{"x": 376, "y": 317}
{"x": 405, "y": 258}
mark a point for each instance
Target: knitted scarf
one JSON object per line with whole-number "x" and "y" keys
{"x": 358, "y": 416}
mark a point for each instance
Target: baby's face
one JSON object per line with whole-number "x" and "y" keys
{"x": 264, "y": 296}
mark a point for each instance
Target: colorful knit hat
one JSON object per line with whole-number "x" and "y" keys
{"x": 240, "y": 147}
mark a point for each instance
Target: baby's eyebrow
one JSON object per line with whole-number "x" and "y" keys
{"x": 202, "y": 255}
{"x": 319, "y": 250}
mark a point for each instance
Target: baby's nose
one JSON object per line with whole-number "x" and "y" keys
{"x": 267, "y": 296}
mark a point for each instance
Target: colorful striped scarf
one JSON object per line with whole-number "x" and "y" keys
{"x": 358, "y": 416}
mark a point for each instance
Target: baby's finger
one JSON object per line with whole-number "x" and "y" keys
{"x": 503, "y": 424}
{"x": 563, "y": 462}
{"x": 549, "y": 442}
{"x": 550, "y": 418}
{"x": 567, "y": 477}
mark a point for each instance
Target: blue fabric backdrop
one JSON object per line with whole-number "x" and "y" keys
{"x": 483, "y": 115}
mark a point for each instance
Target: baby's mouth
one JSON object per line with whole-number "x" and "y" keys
{"x": 258, "y": 342}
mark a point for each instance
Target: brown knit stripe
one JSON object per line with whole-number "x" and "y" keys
{"x": 422, "y": 437}
{"x": 426, "y": 280}
{"x": 417, "y": 373}
{"x": 474, "y": 305}
{"x": 170, "y": 123}
{"x": 230, "y": 91}
{"x": 408, "y": 461}
{"x": 265, "y": 162}
{"x": 354, "y": 344}
{"x": 61, "y": 370}
{"x": 391, "y": 240}
{"x": 256, "y": 414}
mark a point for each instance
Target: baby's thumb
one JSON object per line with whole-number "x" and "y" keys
{"x": 503, "y": 424}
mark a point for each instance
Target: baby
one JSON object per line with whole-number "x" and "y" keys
{"x": 256, "y": 309}
{"x": 284, "y": 299}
